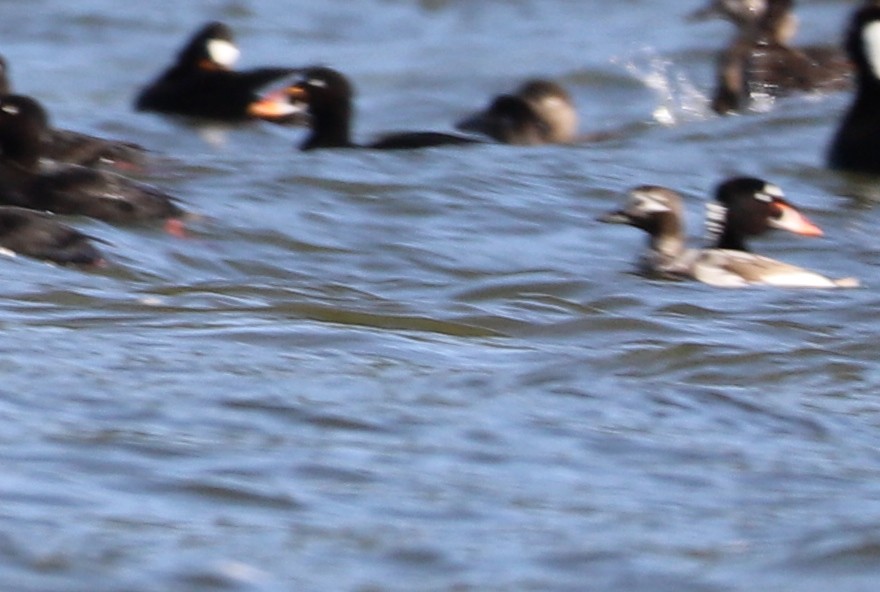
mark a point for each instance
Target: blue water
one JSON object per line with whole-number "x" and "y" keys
{"x": 433, "y": 370}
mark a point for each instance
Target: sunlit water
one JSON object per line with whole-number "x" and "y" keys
{"x": 434, "y": 370}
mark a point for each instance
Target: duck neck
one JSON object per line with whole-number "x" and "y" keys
{"x": 868, "y": 87}
{"x": 331, "y": 128}
{"x": 667, "y": 236}
{"x": 731, "y": 240}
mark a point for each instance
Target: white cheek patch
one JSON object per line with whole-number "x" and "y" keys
{"x": 649, "y": 204}
{"x": 553, "y": 103}
{"x": 317, "y": 82}
{"x": 11, "y": 109}
{"x": 871, "y": 44}
{"x": 223, "y": 52}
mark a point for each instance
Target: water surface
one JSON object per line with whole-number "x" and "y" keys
{"x": 433, "y": 370}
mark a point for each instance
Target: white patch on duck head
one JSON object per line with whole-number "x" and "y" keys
{"x": 318, "y": 82}
{"x": 871, "y": 44}
{"x": 223, "y": 52}
{"x": 769, "y": 192}
{"x": 560, "y": 115}
{"x": 554, "y": 102}
{"x": 648, "y": 202}
{"x": 9, "y": 108}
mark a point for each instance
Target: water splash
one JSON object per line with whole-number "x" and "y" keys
{"x": 679, "y": 100}
{"x": 761, "y": 100}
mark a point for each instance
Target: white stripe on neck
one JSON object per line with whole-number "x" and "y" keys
{"x": 715, "y": 221}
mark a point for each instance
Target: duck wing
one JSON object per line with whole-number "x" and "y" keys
{"x": 729, "y": 268}
{"x": 99, "y": 194}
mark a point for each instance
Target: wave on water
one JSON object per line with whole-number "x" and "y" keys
{"x": 679, "y": 100}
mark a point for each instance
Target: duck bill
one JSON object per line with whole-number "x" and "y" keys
{"x": 792, "y": 220}
{"x": 615, "y": 217}
{"x": 278, "y": 108}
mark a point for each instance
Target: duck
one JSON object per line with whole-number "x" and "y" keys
{"x": 855, "y": 146}
{"x": 745, "y": 206}
{"x": 540, "y": 111}
{"x": 741, "y": 13}
{"x": 201, "y": 82}
{"x": 39, "y": 236}
{"x": 326, "y": 96}
{"x": 71, "y": 147}
{"x": 775, "y": 19}
{"x": 69, "y": 189}
{"x": 761, "y": 61}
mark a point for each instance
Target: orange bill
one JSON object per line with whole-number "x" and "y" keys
{"x": 787, "y": 217}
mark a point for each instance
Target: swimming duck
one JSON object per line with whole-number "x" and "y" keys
{"x": 746, "y": 206}
{"x": 68, "y": 189}
{"x": 761, "y": 62}
{"x": 201, "y": 82}
{"x": 539, "y": 112}
{"x": 326, "y": 96}
{"x": 38, "y": 235}
{"x": 856, "y": 144}
{"x": 60, "y": 145}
